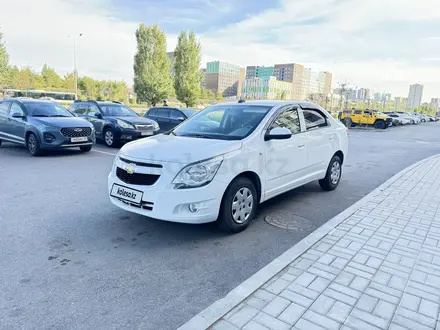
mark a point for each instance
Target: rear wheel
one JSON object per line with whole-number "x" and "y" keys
{"x": 85, "y": 148}
{"x": 238, "y": 206}
{"x": 333, "y": 175}
{"x": 380, "y": 124}
{"x": 33, "y": 145}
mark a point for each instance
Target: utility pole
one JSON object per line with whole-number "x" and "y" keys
{"x": 343, "y": 91}
{"x": 75, "y": 39}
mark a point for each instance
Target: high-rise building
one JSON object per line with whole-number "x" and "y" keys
{"x": 266, "y": 88}
{"x": 241, "y": 80}
{"x": 259, "y": 71}
{"x": 400, "y": 103}
{"x": 311, "y": 83}
{"x": 171, "y": 56}
{"x": 293, "y": 73}
{"x": 435, "y": 104}
{"x": 325, "y": 82}
{"x": 363, "y": 94}
{"x": 223, "y": 78}
{"x": 415, "y": 96}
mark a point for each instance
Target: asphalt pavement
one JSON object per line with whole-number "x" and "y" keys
{"x": 69, "y": 259}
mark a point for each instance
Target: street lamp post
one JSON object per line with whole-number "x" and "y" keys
{"x": 75, "y": 39}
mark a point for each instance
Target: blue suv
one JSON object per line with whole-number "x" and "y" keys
{"x": 114, "y": 122}
{"x": 43, "y": 125}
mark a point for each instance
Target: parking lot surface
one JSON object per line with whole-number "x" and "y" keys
{"x": 69, "y": 259}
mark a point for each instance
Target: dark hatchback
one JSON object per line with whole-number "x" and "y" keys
{"x": 114, "y": 122}
{"x": 168, "y": 117}
{"x": 43, "y": 125}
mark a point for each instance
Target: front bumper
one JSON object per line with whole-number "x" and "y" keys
{"x": 53, "y": 139}
{"x": 125, "y": 134}
{"x": 161, "y": 201}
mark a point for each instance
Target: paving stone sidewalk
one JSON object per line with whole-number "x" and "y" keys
{"x": 378, "y": 269}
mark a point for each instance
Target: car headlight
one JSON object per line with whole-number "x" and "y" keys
{"x": 197, "y": 174}
{"x": 155, "y": 126}
{"x": 48, "y": 126}
{"x": 124, "y": 124}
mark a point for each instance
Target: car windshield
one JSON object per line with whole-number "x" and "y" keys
{"x": 189, "y": 112}
{"x": 46, "y": 109}
{"x": 117, "y": 110}
{"x": 223, "y": 122}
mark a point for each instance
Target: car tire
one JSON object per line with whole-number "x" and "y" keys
{"x": 380, "y": 124}
{"x": 33, "y": 145}
{"x": 333, "y": 175}
{"x": 240, "y": 197}
{"x": 348, "y": 122}
{"x": 109, "y": 138}
{"x": 85, "y": 148}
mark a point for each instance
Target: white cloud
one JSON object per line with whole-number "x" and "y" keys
{"x": 355, "y": 39}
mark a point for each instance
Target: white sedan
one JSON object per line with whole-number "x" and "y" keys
{"x": 200, "y": 173}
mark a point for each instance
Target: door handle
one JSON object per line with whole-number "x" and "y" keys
{"x": 331, "y": 137}
{"x": 300, "y": 146}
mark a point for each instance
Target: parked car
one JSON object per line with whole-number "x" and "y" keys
{"x": 114, "y": 122}
{"x": 365, "y": 117}
{"x": 413, "y": 120}
{"x": 43, "y": 125}
{"x": 168, "y": 117}
{"x": 424, "y": 118}
{"x": 401, "y": 118}
{"x": 431, "y": 118}
{"x": 200, "y": 172}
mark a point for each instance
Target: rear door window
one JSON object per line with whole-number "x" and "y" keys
{"x": 176, "y": 114}
{"x": 163, "y": 113}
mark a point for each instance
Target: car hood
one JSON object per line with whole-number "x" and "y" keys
{"x": 177, "y": 149}
{"x": 134, "y": 120}
{"x": 62, "y": 121}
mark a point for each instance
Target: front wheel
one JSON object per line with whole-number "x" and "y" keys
{"x": 109, "y": 138}
{"x": 33, "y": 145}
{"x": 380, "y": 124}
{"x": 333, "y": 175}
{"x": 238, "y": 205}
{"x": 85, "y": 148}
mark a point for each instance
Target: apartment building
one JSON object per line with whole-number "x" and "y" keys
{"x": 325, "y": 80}
{"x": 363, "y": 94}
{"x": 414, "y": 96}
{"x": 259, "y": 71}
{"x": 266, "y": 88}
{"x": 400, "y": 103}
{"x": 223, "y": 78}
{"x": 292, "y": 73}
{"x": 435, "y": 104}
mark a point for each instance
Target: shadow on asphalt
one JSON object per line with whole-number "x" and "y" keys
{"x": 15, "y": 150}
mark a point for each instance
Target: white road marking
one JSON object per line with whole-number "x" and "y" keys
{"x": 104, "y": 152}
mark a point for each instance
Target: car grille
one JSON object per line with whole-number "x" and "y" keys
{"x": 76, "y": 131}
{"x": 140, "y": 163}
{"x": 136, "y": 178}
{"x": 144, "y": 127}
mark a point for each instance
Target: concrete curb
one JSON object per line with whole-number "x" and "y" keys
{"x": 218, "y": 309}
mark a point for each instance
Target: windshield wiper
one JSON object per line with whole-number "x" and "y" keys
{"x": 59, "y": 116}
{"x": 40, "y": 116}
{"x": 198, "y": 135}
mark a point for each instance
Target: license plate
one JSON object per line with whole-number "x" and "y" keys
{"x": 127, "y": 194}
{"x": 79, "y": 139}
{"x": 146, "y": 133}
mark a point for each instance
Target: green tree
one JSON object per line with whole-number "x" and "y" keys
{"x": 51, "y": 79}
{"x": 69, "y": 82}
{"x": 152, "y": 77}
{"x": 188, "y": 76}
{"x": 4, "y": 63}
{"x": 219, "y": 97}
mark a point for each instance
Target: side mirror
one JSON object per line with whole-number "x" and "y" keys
{"x": 17, "y": 115}
{"x": 98, "y": 115}
{"x": 180, "y": 119}
{"x": 278, "y": 133}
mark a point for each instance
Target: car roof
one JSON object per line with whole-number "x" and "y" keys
{"x": 272, "y": 103}
{"x": 25, "y": 100}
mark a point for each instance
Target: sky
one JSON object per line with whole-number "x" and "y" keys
{"x": 384, "y": 45}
